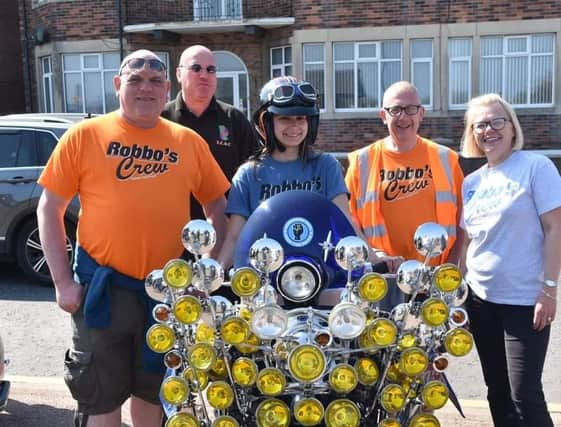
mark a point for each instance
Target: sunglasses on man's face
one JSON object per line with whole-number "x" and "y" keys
{"x": 197, "y": 68}
{"x": 138, "y": 63}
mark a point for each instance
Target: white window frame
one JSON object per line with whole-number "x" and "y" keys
{"x": 47, "y": 84}
{"x": 322, "y": 63}
{"x": 460, "y": 59}
{"x": 83, "y": 69}
{"x": 282, "y": 66}
{"x": 528, "y": 54}
{"x": 424, "y": 60}
{"x": 355, "y": 61}
{"x": 198, "y": 16}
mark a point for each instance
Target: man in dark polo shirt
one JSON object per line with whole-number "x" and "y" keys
{"x": 226, "y": 130}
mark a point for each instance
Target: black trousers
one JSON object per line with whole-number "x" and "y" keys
{"x": 512, "y": 356}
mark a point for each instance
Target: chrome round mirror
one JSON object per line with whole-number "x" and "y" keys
{"x": 266, "y": 255}
{"x": 155, "y": 286}
{"x": 208, "y": 275}
{"x": 430, "y": 239}
{"x": 351, "y": 252}
{"x": 409, "y": 276}
{"x": 198, "y": 237}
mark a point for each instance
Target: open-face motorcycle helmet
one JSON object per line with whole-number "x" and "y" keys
{"x": 286, "y": 96}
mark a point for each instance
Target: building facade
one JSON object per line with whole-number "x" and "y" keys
{"x": 350, "y": 50}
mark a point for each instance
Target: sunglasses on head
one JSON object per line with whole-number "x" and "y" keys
{"x": 287, "y": 92}
{"x": 197, "y": 68}
{"x": 138, "y": 63}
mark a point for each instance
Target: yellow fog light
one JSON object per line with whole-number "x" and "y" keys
{"x": 393, "y": 398}
{"x": 234, "y": 330}
{"x": 407, "y": 341}
{"x": 205, "y": 333}
{"x": 251, "y": 344}
{"x": 160, "y": 338}
{"x": 389, "y": 422}
{"x": 272, "y": 413}
{"x": 220, "y": 395}
{"x": 174, "y": 390}
{"x": 177, "y": 273}
{"x": 367, "y": 371}
{"x": 218, "y": 369}
{"x": 182, "y": 419}
{"x": 202, "y": 356}
{"x": 187, "y": 309}
{"x": 245, "y": 313}
{"x": 343, "y": 378}
{"x": 342, "y": 413}
{"x": 394, "y": 374}
{"x": 434, "y": 394}
{"x": 434, "y": 312}
{"x": 202, "y": 379}
{"x": 382, "y": 332}
{"x": 424, "y": 420}
{"x": 225, "y": 421}
{"x": 271, "y": 381}
{"x": 245, "y": 282}
{"x": 458, "y": 342}
{"x": 447, "y": 278}
{"x": 413, "y": 361}
{"x": 372, "y": 287}
{"x": 306, "y": 363}
{"x": 244, "y": 371}
{"x": 309, "y": 411}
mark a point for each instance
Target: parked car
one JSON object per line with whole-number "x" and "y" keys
{"x": 4, "y": 385}
{"x": 26, "y": 142}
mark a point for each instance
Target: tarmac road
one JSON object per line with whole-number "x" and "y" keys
{"x": 36, "y": 333}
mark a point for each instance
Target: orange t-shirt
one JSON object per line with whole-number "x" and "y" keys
{"x": 134, "y": 186}
{"x": 407, "y": 196}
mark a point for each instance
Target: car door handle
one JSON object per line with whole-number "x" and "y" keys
{"x": 20, "y": 180}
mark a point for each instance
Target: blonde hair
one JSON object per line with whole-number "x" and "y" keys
{"x": 469, "y": 146}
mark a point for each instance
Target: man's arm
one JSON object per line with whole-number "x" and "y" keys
{"x": 50, "y": 217}
{"x": 214, "y": 213}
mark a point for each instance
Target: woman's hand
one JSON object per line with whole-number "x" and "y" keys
{"x": 545, "y": 309}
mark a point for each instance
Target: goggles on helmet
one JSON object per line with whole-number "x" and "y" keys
{"x": 287, "y": 92}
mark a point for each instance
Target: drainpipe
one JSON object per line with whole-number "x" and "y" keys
{"x": 120, "y": 23}
{"x": 26, "y": 61}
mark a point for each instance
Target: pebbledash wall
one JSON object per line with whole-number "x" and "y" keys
{"x": 351, "y": 50}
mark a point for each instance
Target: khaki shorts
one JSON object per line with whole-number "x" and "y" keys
{"x": 104, "y": 367}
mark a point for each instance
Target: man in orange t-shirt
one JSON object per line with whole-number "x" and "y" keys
{"x": 403, "y": 181}
{"x": 134, "y": 173}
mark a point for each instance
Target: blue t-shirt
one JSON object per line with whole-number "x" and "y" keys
{"x": 255, "y": 182}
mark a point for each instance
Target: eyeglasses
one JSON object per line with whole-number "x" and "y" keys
{"x": 197, "y": 68}
{"x": 496, "y": 124}
{"x": 138, "y": 63}
{"x": 396, "y": 110}
{"x": 287, "y": 92}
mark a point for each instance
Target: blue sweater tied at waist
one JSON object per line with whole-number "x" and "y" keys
{"x": 97, "y": 301}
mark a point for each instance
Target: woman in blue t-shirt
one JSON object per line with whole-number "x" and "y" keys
{"x": 287, "y": 123}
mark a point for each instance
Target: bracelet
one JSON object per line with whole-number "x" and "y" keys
{"x": 548, "y": 295}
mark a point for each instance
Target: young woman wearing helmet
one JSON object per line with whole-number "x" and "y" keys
{"x": 287, "y": 123}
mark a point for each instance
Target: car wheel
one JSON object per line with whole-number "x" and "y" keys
{"x": 29, "y": 252}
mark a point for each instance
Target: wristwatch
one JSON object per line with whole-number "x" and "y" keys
{"x": 550, "y": 283}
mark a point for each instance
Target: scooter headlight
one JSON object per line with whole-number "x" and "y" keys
{"x": 187, "y": 309}
{"x": 367, "y": 371}
{"x": 174, "y": 390}
{"x": 269, "y": 322}
{"x": 389, "y": 422}
{"x": 234, "y": 330}
{"x": 308, "y": 411}
{"x": 272, "y": 413}
{"x": 424, "y": 420}
{"x": 271, "y": 381}
{"x": 342, "y": 413}
{"x": 225, "y": 421}
{"x": 413, "y": 361}
{"x": 182, "y": 419}
{"x": 160, "y": 338}
{"x": 306, "y": 363}
{"x": 298, "y": 280}
{"x": 447, "y": 278}
{"x": 458, "y": 342}
{"x": 177, "y": 274}
{"x": 245, "y": 282}
{"x": 372, "y": 287}
{"x": 343, "y": 378}
{"x": 202, "y": 356}
{"x": 220, "y": 395}
{"x": 434, "y": 395}
{"x": 346, "y": 321}
{"x": 434, "y": 312}
{"x": 393, "y": 398}
{"x": 244, "y": 371}
{"x": 382, "y": 332}
{"x": 197, "y": 383}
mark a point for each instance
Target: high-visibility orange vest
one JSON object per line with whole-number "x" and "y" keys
{"x": 364, "y": 165}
